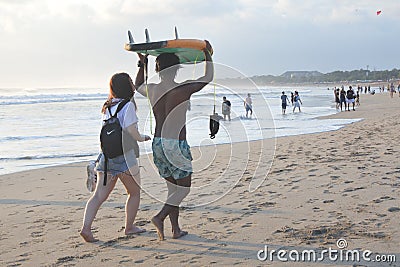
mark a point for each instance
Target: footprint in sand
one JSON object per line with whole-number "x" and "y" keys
{"x": 394, "y": 209}
{"x": 249, "y": 224}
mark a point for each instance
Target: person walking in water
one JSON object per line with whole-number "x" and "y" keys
{"x": 171, "y": 152}
{"x": 248, "y": 105}
{"x": 226, "y": 108}
{"x": 297, "y": 101}
{"x": 343, "y": 99}
{"x": 292, "y": 98}
{"x": 337, "y": 97}
{"x": 284, "y": 100}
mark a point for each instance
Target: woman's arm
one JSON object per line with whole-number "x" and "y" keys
{"x": 134, "y": 132}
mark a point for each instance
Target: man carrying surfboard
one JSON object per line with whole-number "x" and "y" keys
{"x": 171, "y": 152}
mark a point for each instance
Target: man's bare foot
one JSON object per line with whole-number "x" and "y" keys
{"x": 88, "y": 236}
{"x": 179, "y": 234}
{"x": 134, "y": 230}
{"x": 159, "y": 226}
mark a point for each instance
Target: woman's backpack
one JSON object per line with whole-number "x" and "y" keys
{"x": 111, "y": 137}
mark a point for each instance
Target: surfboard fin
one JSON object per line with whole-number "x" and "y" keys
{"x": 131, "y": 41}
{"x": 146, "y": 32}
{"x": 176, "y": 33}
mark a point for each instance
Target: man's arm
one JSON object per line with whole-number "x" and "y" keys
{"x": 140, "y": 76}
{"x": 197, "y": 85}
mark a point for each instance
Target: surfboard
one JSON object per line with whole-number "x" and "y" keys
{"x": 188, "y": 50}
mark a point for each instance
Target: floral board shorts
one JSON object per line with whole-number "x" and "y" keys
{"x": 172, "y": 157}
{"x": 118, "y": 164}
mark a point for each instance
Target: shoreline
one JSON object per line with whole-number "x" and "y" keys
{"x": 320, "y": 188}
{"x": 77, "y": 161}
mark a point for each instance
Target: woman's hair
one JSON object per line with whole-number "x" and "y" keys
{"x": 121, "y": 86}
{"x": 168, "y": 61}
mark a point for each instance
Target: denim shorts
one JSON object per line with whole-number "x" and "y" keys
{"x": 118, "y": 164}
{"x": 172, "y": 157}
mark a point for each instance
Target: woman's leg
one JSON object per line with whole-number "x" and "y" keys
{"x": 131, "y": 181}
{"x": 100, "y": 194}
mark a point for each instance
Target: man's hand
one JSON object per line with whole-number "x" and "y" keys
{"x": 142, "y": 59}
{"x": 208, "y": 48}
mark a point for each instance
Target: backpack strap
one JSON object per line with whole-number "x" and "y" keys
{"x": 120, "y": 106}
{"x": 105, "y": 170}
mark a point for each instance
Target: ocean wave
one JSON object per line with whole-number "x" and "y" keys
{"x": 37, "y": 137}
{"x": 51, "y": 98}
{"x": 55, "y": 156}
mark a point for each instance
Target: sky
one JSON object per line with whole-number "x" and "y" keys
{"x": 60, "y": 43}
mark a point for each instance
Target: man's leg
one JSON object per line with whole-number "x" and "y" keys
{"x": 183, "y": 189}
{"x": 158, "y": 220}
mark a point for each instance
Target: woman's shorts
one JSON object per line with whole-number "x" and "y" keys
{"x": 350, "y": 100}
{"x": 296, "y": 105}
{"x": 118, "y": 164}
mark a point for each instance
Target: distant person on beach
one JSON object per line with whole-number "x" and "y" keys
{"x": 358, "y": 99}
{"x": 284, "y": 101}
{"x": 125, "y": 167}
{"x": 392, "y": 90}
{"x": 343, "y": 99}
{"x": 226, "y": 108}
{"x": 398, "y": 89}
{"x": 350, "y": 98}
{"x": 292, "y": 98}
{"x": 297, "y": 101}
{"x": 171, "y": 152}
{"x": 248, "y": 105}
{"x": 337, "y": 99}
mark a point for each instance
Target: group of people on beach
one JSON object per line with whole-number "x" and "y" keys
{"x": 171, "y": 152}
{"x": 352, "y": 97}
{"x": 392, "y": 89}
{"x": 227, "y": 107}
{"x": 346, "y": 97}
{"x": 295, "y": 101}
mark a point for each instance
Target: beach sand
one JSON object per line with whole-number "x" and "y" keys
{"x": 320, "y": 188}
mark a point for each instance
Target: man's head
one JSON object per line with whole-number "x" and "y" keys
{"x": 167, "y": 65}
{"x": 283, "y": 92}
{"x": 224, "y": 98}
{"x": 166, "y": 60}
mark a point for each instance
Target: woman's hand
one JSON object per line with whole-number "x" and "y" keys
{"x": 146, "y": 137}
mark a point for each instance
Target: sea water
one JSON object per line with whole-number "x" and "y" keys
{"x": 53, "y": 126}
